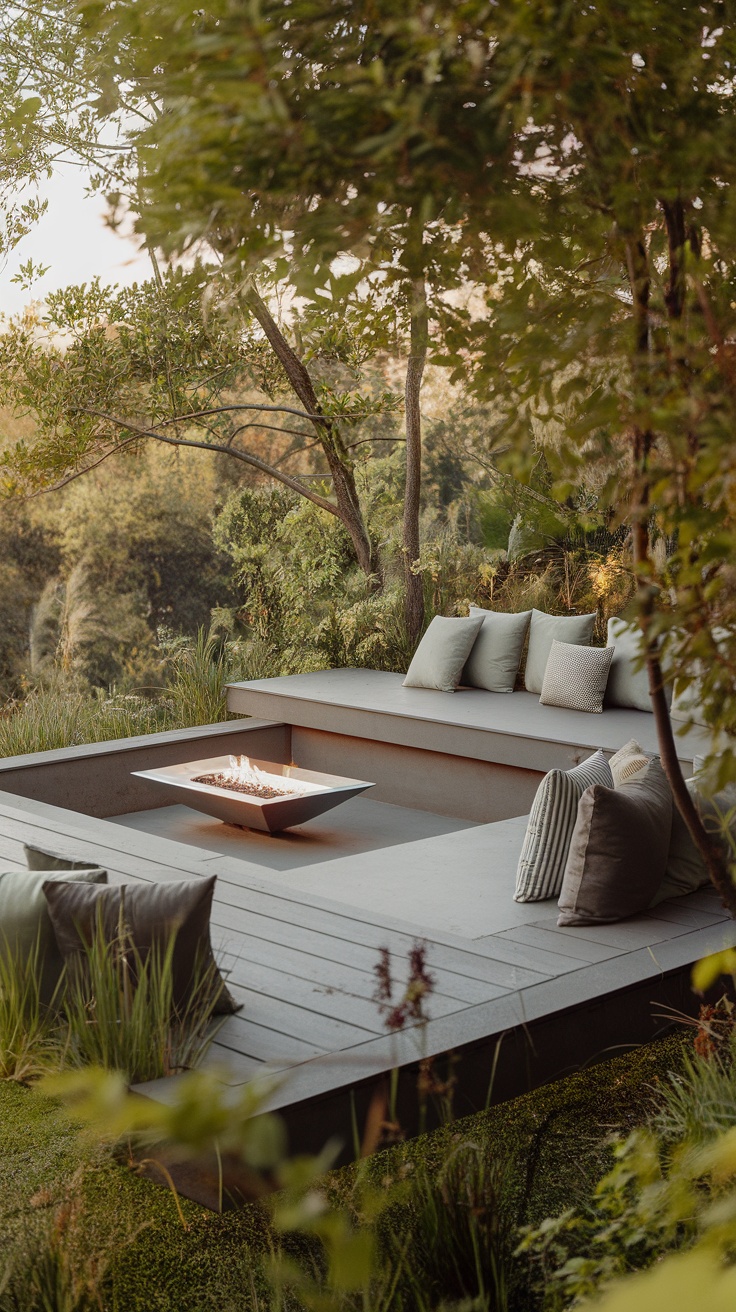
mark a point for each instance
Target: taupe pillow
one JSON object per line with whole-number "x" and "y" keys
{"x": 441, "y": 655}
{"x": 575, "y": 677}
{"x": 618, "y": 852}
{"x": 25, "y": 922}
{"x": 152, "y": 913}
{"x": 543, "y": 629}
{"x": 494, "y": 660}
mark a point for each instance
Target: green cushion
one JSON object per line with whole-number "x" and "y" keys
{"x": 24, "y": 918}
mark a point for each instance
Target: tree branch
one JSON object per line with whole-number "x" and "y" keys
{"x": 245, "y": 456}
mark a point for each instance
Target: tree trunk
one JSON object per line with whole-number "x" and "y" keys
{"x": 710, "y": 850}
{"x": 419, "y": 335}
{"x": 337, "y": 454}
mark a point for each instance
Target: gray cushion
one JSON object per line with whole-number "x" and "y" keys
{"x": 42, "y": 858}
{"x": 441, "y": 655}
{"x": 687, "y": 699}
{"x": 550, "y": 827}
{"x": 152, "y": 913}
{"x": 686, "y": 870}
{"x": 494, "y": 660}
{"x": 618, "y": 852}
{"x": 542, "y": 631}
{"x": 24, "y": 919}
{"x": 576, "y": 677}
{"x": 627, "y": 684}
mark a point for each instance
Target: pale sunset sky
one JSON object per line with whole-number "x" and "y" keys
{"x": 73, "y": 240}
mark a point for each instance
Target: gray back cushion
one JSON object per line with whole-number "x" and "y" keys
{"x": 24, "y": 919}
{"x": 494, "y": 660}
{"x": 151, "y": 914}
{"x": 44, "y": 858}
{"x": 628, "y": 685}
{"x": 542, "y": 631}
{"x": 686, "y": 870}
{"x": 618, "y": 851}
{"x": 550, "y": 827}
{"x": 440, "y": 658}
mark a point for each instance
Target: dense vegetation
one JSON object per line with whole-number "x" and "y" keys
{"x": 441, "y": 310}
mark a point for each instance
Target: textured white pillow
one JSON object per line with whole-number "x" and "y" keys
{"x": 576, "y": 677}
{"x": 577, "y": 629}
{"x": 550, "y": 827}
{"x": 439, "y": 659}
{"x": 494, "y": 661}
{"x": 629, "y": 761}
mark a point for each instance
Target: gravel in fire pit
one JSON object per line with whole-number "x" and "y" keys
{"x": 226, "y": 781}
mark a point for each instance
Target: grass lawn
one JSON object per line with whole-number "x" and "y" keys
{"x": 552, "y": 1144}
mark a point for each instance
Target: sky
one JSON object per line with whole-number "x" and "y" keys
{"x": 72, "y": 239}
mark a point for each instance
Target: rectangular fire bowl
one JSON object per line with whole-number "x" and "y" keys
{"x": 313, "y": 794}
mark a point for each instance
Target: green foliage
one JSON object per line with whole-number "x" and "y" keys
{"x": 30, "y": 1040}
{"x": 119, "y": 1010}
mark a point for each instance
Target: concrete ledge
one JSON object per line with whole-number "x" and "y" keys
{"x": 95, "y": 778}
{"x": 508, "y": 730}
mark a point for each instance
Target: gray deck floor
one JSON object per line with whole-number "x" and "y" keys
{"x": 301, "y": 958}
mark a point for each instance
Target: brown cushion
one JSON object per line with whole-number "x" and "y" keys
{"x": 152, "y": 913}
{"x": 618, "y": 852}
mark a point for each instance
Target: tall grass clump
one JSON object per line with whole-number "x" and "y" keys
{"x": 62, "y": 715}
{"x": 29, "y": 1031}
{"x": 459, "y": 1242}
{"x": 121, "y": 1014}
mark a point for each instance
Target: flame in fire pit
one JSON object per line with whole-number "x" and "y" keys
{"x": 245, "y": 775}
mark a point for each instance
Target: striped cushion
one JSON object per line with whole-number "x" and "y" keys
{"x": 549, "y": 831}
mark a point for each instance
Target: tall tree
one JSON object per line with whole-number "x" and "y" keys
{"x": 333, "y": 131}
{"x": 618, "y": 313}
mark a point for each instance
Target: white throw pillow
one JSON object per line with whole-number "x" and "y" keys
{"x": 494, "y": 661}
{"x": 550, "y": 827}
{"x": 629, "y": 761}
{"x": 576, "y": 677}
{"x": 543, "y": 630}
{"x": 441, "y": 655}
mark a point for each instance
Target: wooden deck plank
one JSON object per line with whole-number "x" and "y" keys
{"x": 683, "y": 915}
{"x": 578, "y": 949}
{"x": 331, "y": 1000}
{"x": 630, "y": 935}
{"x": 248, "y": 957}
{"x": 331, "y": 940}
{"x": 264, "y": 1043}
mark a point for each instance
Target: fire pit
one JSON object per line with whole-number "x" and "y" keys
{"x": 255, "y": 794}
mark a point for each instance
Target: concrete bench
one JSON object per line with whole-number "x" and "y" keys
{"x": 475, "y": 754}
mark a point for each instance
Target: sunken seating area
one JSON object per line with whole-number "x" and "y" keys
{"x": 485, "y": 752}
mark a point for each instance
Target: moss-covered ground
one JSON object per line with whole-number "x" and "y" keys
{"x": 552, "y": 1144}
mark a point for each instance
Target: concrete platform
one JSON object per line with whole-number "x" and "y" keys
{"x": 299, "y": 923}
{"x": 511, "y": 729}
